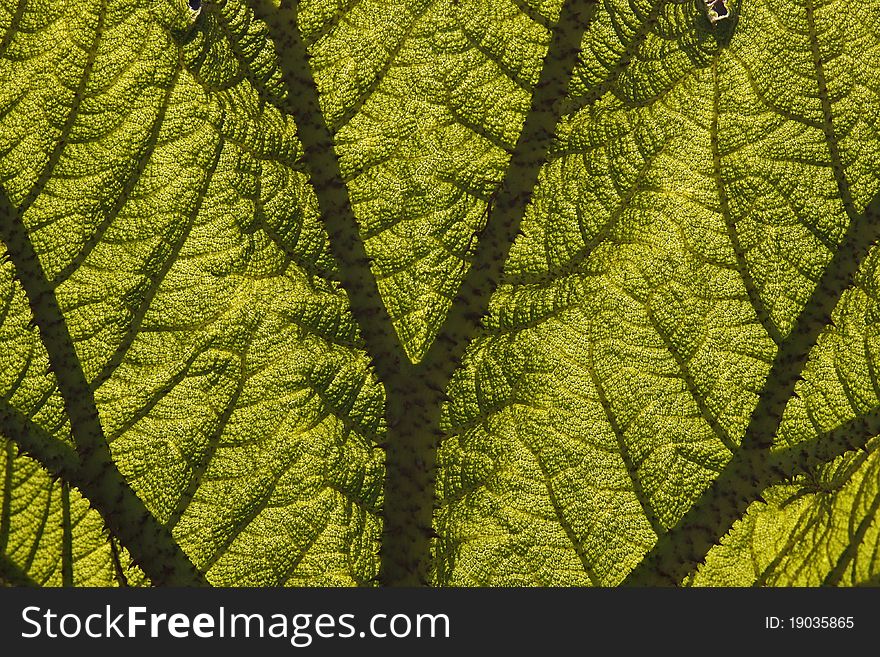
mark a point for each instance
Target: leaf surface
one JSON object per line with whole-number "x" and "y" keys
{"x": 223, "y": 251}
{"x": 685, "y": 241}
{"x": 164, "y": 197}
{"x": 426, "y": 100}
{"x": 819, "y": 527}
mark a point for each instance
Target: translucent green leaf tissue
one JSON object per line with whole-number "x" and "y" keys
{"x": 439, "y": 292}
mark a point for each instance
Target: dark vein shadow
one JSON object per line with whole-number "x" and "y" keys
{"x": 415, "y": 393}
{"x": 12, "y": 575}
{"x": 332, "y": 23}
{"x": 352, "y": 110}
{"x": 265, "y": 94}
{"x": 849, "y": 554}
{"x": 32, "y": 439}
{"x": 166, "y": 256}
{"x": 533, "y": 14}
{"x": 336, "y": 212}
{"x": 559, "y": 511}
{"x": 6, "y": 503}
{"x": 70, "y": 120}
{"x": 416, "y": 398}
{"x": 632, "y": 468}
{"x": 690, "y": 384}
{"x": 630, "y": 51}
{"x": 13, "y": 26}
{"x": 742, "y": 264}
{"x": 200, "y": 467}
{"x": 131, "y": 181}
{"x": 66, "y": 537}
{"x": 752, "y": 469}
{"x": 151, "y": 545}
{"x": 39, "y": 528}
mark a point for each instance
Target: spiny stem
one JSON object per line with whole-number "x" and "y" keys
{"x": 150, "y": 544}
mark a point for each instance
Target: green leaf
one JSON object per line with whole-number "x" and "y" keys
{"x": 163, "y": 197}
{"x": 702, "y": 212}
{"x": 426, "y": 100}
{"x": 50, "y": 537}
{"x": 821, "y": 532}
{"x": 820, "y": 527}
{"x": 592, "y": 282}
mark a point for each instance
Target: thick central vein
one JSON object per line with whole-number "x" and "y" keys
{"x": 415, "y": 392}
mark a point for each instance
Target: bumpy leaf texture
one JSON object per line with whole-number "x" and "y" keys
{"x": 702, "y": 182}
{"x": 164, "y": 197}
{"x": 426, "y": 100}
{"x": 675, "y": 383}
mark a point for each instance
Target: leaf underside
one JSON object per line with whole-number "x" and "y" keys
{"x": 171, "y": 214}
{"x": 700, "y": 185}
{"x": 675, "y": 382}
